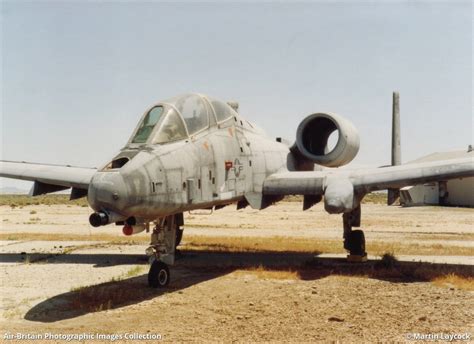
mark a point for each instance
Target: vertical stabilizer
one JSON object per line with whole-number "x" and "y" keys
{"x": 393, "y": 194}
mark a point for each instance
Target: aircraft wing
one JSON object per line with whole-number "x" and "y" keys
{"x": 49, "y": 178}
{"x": 367, "y": 180}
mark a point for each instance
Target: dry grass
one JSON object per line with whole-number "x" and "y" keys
{"x": 257, "y": 244}
{"x": 390, "y": 269}
{"x": 96, "y": 298}
{"x": 135, "y": 271}
{"x": 453, "y": 280}
{"x": 388, "y": 260}
{"x": 310, "y": 245}
{"x": 418, "y": 249}
{"x": 275, "y": 274}
{"x": 100, "y": 297}
{"x": 124, "y": 289}
{"x": 24, "y": 200}
{"x": 375, "y": 198}
{"x": 97, "y": 236}
{"x": 468, "y": 237}
{"x": 129, "y": 289}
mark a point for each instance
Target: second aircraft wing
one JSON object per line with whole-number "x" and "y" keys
{"x": 341, "y": 183}
{"x": 49, "y": 178}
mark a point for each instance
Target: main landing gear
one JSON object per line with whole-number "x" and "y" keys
{"x": 354, "y": 240}
{"x": 166, "y": 236}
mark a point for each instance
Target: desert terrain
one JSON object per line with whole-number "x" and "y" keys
{"x": 277, "y": 275}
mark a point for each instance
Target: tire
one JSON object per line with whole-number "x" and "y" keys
{"x": 159, "y": 275}
{"x": 179, "y": 236}
{"x": 357, "y": 243}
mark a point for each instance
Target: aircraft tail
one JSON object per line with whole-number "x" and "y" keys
{"x": 393, "y": 194}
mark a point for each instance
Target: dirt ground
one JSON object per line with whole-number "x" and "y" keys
{"x": 60, "y": 276}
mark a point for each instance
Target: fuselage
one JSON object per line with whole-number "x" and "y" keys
{"x": 220, "y": 164}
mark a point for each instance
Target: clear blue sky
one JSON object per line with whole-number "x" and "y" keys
{"x": 77, "y": 76}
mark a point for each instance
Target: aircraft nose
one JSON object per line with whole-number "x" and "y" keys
{"x": 107, "y": 190}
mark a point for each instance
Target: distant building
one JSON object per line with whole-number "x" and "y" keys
{"x": 456, "y": 192}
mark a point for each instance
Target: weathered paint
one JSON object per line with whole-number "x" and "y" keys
{"x": 231, "y": 160}
{"x": 179, "y": 176}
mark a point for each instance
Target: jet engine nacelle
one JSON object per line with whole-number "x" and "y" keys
{"x": 312, "y": 139}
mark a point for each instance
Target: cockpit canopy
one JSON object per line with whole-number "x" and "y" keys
{"x": 180, "y": 117}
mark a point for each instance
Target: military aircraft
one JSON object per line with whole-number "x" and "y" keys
{"x": 196, "y": 152}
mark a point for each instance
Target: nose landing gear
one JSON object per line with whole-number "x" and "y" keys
{"x": 161, "y": 252}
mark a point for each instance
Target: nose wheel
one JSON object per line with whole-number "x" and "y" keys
{"x": 159, "y": 275}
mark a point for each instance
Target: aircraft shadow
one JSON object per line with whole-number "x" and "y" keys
{"x": 189, "y": 258}
{"x": 387, "y": 270}
{"x": 111, "y": 295}
{"x": 192, "y": 267}
{"x": 195, "y": 267}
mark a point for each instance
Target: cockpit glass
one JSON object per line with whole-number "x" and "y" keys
{"x": 171, "y": 129}
{"x": 194, "y": 111}
{"x": 148, "y": 124}
{"x": 222, "y": 110}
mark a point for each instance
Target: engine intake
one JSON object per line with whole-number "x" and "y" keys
{"x": 313, "y": 135}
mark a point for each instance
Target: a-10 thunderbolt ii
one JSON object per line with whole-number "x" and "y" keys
{"x": 195, "y": 152}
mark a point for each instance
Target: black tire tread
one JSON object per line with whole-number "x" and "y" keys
{"x": 155, "y": 269}
{"x": 357, "y": 242}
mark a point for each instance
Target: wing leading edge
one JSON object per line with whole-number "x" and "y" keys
{"x": 368, "y": 180}
{"x": 49, "y": 178}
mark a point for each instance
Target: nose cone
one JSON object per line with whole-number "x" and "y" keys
{"x": 108, "y": 190}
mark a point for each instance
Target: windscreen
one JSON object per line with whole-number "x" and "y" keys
{"x": 171, "y": 128}
{"x": 222, "y": 110}
{"x": 148, "y": 124}
{"x": 194, "y": 111}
